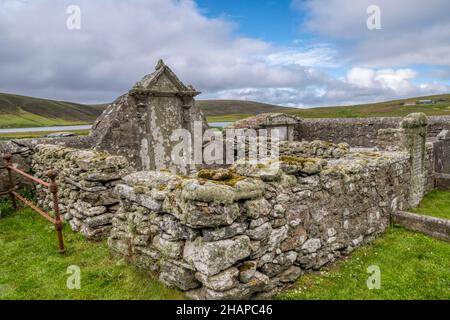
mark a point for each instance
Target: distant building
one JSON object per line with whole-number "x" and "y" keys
{"x": 409, "y": 103}
{"x": 425, "y": 102}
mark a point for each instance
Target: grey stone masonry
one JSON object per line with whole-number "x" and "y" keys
{"x": 86, "y": 180}
{"x": 246, "y": 231}
{"x": 435, "y": 227}
{"x": 138, "y": 125}
{"x": 415, "y": 128}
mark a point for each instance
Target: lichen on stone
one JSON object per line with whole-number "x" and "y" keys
{"x": 220, "y": 176}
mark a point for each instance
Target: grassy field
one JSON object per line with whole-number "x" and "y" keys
{"x": 24, "y": 119}
{"x": 31, "y": 268}
{"x": 436, "y": 203}
{"x": 412, "y": 266}
{"x": 236, "y": 107}
{"x": 20, "y": 111}
{"x": 227, "y": 118}
{"x": 393, "y": 108}
{"x": 40, "y": 134}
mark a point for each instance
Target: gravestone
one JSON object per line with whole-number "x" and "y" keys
{"x": 138, "y": 125}
{"x": 415, "y": 130}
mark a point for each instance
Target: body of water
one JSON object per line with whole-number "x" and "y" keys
{"x": 41, "y": 129}
{"x": 219, "y": 124}
{"x": 80, "y": 127}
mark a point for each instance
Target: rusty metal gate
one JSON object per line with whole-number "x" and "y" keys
{"x": 52, "y": 187}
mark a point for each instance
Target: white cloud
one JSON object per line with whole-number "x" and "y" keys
{"x": 120, "y": 41}
{"x": 359, "y": 85}
{"x": 399, "y": 81}
{"x": 315, "y": 56}
{"x": 412, "y": 31}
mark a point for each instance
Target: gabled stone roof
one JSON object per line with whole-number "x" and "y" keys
{"x": 163, "y": 79}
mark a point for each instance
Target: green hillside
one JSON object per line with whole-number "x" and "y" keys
{"x": 394, "y": 108}
{"x": 21, "y": 111}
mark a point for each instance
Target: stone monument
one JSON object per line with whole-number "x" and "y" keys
{"x": 138, "y": 125}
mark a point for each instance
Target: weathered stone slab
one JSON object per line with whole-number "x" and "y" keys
{"x": 210, "y": 258}
{"x": 128, "y": 192}
{"x": 224, "y": 232}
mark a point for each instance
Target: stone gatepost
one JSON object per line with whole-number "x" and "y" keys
{"x": 415, "y": 132}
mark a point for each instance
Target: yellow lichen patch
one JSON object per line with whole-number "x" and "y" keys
{"x": 140, "y": 189}
{"x": 100, "y": 156}
{"x": 246, "y": 266}
{"x": 220, "y": 176}
{"x": 298, "y": 161}
{"x": 215, "y": 174}
{"x": 161, "y": 187}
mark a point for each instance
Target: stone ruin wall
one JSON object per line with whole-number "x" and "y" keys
{"x": 86, "y": 181}
{"x": 360, "y": 132}
{"x": 244, "y": 231}
{"x": 22, "y": 151}
{"x": 247, "y": 231}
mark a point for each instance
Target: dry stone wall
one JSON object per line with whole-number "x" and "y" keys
{"x": 86, "y": 180}
{"x": 248, "y": 230}
{"x": 360, "y": 132}
{"x": 22, "y": 151}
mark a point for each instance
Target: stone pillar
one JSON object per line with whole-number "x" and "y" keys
{"x": 415, "y": 133}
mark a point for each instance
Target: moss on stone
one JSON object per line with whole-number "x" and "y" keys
{"x": 161, "y": 187}
{"x": 298, "y": 161}
{"x": 220, "y": 176}
{"x": 140, "y": 189}
{"x": 413, "y": 120}
{"x": 248, "y": 265}
{"x": 100, "y": 156}
{"x": 215, "y": 174}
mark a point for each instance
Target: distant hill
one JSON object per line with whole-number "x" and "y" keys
{"x": 21, "y": 111}
{"x": 393, "y": 108}
{"x": 227, "y": 107}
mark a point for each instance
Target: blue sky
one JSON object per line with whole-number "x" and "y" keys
{"x": 272, "y": 21}
{"x": 300, "y": 53}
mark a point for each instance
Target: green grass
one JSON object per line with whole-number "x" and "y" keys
{"x": 232, "y": 110}
{"x": 393, "y": 108}
{"x": 227, "y": 118}
{"x": 436, "y": 203}
{"x": 40, "y": 134}
{"x": 21, "y": 111}
{"x": 24, "y": 119}
{"x": 236, "y": 107}
{"x": 412, "y": 265}
{"x": 31, "y": 268}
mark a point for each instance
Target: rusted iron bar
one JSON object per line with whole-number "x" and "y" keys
{"x": 3, "y": 193}
{"x": 28, "y": 176}
{"x": 8, "y": 158}
{"x": 34, "y": 207}
{"x": 53, "y": 188}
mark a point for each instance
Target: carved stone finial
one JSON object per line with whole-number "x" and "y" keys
{"x": 160, "y": 64}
